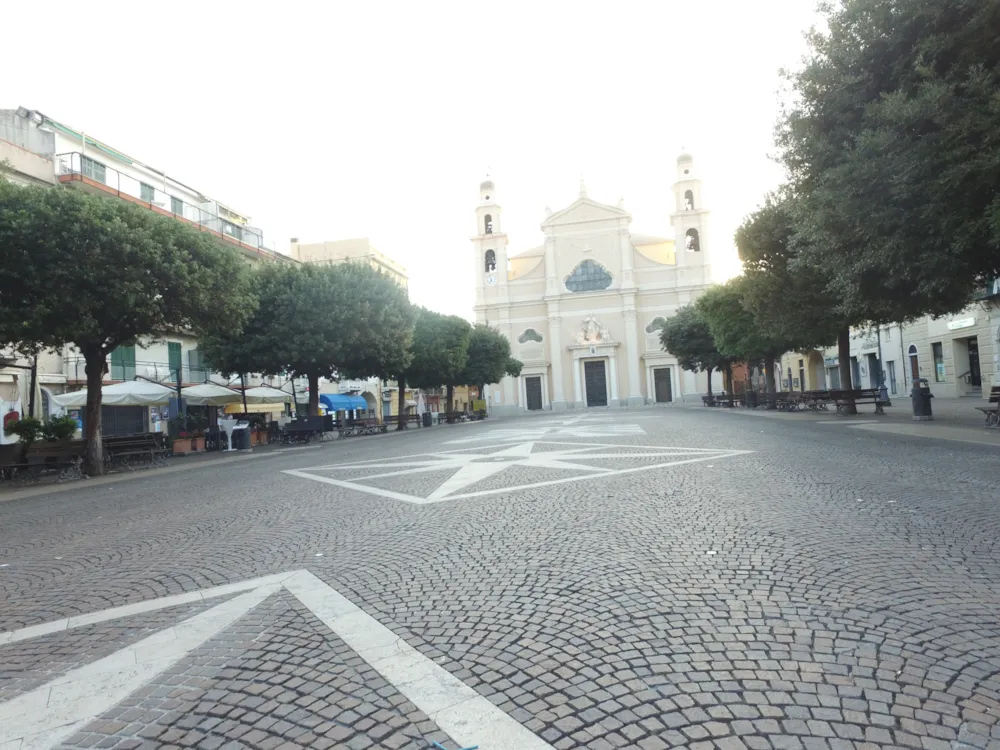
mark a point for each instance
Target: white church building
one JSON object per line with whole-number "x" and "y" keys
{"x": 583, "y": 311}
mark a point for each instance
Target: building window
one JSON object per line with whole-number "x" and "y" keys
{"x": 656, "y": 324}
{"x": 588, "y": 277}
{"x": 691, "y": 242}
{"x": 488, "y": 221}
{"x": 530, "y": 334}
{"x": 230, "y": 229}
{"x": 177, "y": 206}
{"x": 146, "y": 192}
{"x": 94, "y": 170}
{"x": 688, "y": 200}
{"x": 123, "y": 363}
{"x": 174, "y": 360}
{"x": 491, "y": 261}
{"x": 938, "y": 352}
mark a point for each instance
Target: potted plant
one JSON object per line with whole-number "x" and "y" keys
{"x": 60, "y": 428}
{"x": 28, "y": 429}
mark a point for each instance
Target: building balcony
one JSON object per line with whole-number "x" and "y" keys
{"x": 75, "y": 169}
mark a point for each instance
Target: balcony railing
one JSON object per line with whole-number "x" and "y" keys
{"x": 77, "y": 166}
{"x": 161, "y": 372}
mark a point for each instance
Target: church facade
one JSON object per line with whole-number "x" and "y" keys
{"x": 583, "y": 311}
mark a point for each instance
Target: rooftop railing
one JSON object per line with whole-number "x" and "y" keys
{"x": 78, "y": 166}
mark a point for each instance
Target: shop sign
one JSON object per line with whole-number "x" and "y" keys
{"x": 955, "y": 325}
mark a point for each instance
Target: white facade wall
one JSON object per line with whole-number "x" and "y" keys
{"x": 600, "y": 332}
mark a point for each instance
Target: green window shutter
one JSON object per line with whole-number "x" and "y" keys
{"x": 174, "y": 358}
{"x": 196, "y": 366}
{"x": 123, "y": 363}
{"x": 146, "y": 192}
{"x": 177, "y": 206}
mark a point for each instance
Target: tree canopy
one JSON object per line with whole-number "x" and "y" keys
{"x": 787, "y": 297}
{"x": 736, "y": 333}
{"x": 99, "y": 273}
{"x": 686, "y": 335}
{"x": 440, "y": 350}
{"x": 488, "y": 358}
{"x": 891, "y": 150}
{"x": 320, "y": 321}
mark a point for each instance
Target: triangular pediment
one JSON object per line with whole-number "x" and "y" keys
{"x": 584, "y": 210}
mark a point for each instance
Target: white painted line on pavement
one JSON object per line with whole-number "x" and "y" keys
{"x": 461, "y": 712}
{"x": 44, "y": 717}
{"x": 49, "y": 714}
{"x": 126, "y": 610}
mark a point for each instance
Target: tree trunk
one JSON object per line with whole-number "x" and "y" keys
{"x": 93, "y": 456}
{"x": 402, "y": 403}
{"x": 844, "y": 354}
{"x": 450, "y": 394}
{"x": 729, "y": 377}
{"x": 313, "y": 394}
{"x": 709, "y": 373}
{"x": 33, "y": 384}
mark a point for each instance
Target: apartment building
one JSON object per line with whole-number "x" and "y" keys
{"x": 36, "y": 149}
{"x": 341, "y": 251}
{"x": 959, "y": 354}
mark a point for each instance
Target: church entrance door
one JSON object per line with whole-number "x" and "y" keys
{"x": 661, "y": 384}
{"x": 595, "y": 377}
{"x": 533, "y": 392}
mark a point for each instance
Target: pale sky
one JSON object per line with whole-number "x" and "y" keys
{"x": 330, "y": 120}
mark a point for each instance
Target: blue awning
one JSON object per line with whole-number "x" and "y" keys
{"x": 342, "y": 402}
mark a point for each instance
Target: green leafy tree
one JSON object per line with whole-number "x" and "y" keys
{"x": 319, "y": 321}
{"x": 98, "y": 273}
{"x": 488, "y": 358}
{"x": 686, "y": 335}
{"x": 892, "y": 152}
{"x": 439, "y": 352}
{"x": 787, "y": 295}
{"x": 734, "y": 330}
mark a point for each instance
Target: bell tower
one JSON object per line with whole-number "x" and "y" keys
{"x": 489, "y": 247}
{"x": 690, "y": 219}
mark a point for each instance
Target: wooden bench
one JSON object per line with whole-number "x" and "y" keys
{"x": 992, "y": 413}
{"x": 858, "y": 396}
{"x": 407, "y": 419}
{"x": 127, "y": 451}
{"x": 63, "y": 458}
{"x": 361, "y": 427}
{"x": 708, "y": 400}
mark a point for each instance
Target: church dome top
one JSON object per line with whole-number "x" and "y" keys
{"x": 486, "y": 184}
{"x": 684, "y": 157}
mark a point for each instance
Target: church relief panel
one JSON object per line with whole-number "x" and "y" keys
{"x": 588, "y": 276}
{"x": 592, "y": 332}
{"x": 653, "y": 330}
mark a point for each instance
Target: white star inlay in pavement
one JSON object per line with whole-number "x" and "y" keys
{"x": 468, "y": 467}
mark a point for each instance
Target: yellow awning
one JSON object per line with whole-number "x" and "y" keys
{"x": 255, "y": 408}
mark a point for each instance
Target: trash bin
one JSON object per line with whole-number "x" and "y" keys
{"x": 921, "y": 397}
{"x": 241, "y": 436}
{"x": 426, "y": 417}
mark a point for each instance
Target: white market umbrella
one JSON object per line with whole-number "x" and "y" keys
{"x": 420, "y": 403}
{"x": 129, "y": 393}
{"x": 210, "y": 394}
{"x": 266, "y": 395}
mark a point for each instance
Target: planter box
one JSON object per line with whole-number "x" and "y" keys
{"x": 198, "y": 443}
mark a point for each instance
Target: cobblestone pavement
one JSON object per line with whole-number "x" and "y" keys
{"x": 830, "y": 589}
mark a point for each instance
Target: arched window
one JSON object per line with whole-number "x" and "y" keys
{"x": 530, "y": 334}
{"x": 691, "y": 242}
{"x": 491, "y": 261}
{"x": 488, "y": 223}
{"x": 688, "y": 200}
{"x": 656, "y": 324}
{"x": 588, "y": 277}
